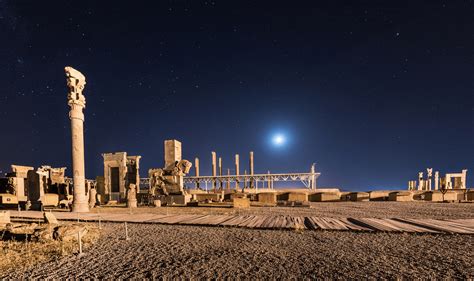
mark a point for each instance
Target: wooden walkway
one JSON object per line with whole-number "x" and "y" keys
{"x": 460, "y": 226}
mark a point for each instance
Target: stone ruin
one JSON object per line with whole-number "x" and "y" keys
{"x": 449, "y": 181}
{"x": 166, "y": 184}
{"x": 30, "y": 188}
{"x": 120, "y": 171}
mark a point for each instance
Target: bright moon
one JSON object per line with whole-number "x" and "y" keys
{"x": 278, "y": 139}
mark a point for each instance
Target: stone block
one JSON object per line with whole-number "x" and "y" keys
{"x": 4, "y": 217}
{"x": 379, "y": 195}
{"x": 461, "y": 194}
{"x": 267, "y": 197}
{"x": 50, "y": 199}
{"x": 241, "y": 202}
{"x": 358, "y": 196}
{"x": 401, "y": 196}
{"x": 172, "y": 152}
{"x": 50, "y": 218}
{"x": 437, "y": 196}
{"x": 238, "y": 195}
{"x": 470, "y": 195}
{"x": 324, "y": 197}
{"x": 176, "y": 199}
{"x": 419, "y": 194}
{"x": 345, "y": 196}
{"x": 8, "y": 199}
{"x": 297, "y": 196}
{"x": 215, "y": 197}
{"x": 157, "y": 203}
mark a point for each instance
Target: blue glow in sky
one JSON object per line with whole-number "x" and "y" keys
{"x": 279, "y": 139}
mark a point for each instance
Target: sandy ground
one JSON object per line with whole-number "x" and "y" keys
{"x": 209, "y": 252}
{"x": 157, "y": 251}
{"x": 335, "y": 209}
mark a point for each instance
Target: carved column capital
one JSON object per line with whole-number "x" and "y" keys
{"x": 76, "y": 82}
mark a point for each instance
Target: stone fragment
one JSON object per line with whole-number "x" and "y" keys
{"x": 297, "y": 196}
{"x": 437, "y": 196}
{"x": 324, "y": 197}
{"x": 21, "y": 228}
{"x": 359, "y": 196}
{"x": 401, "y": 196}
{"x": 241, "y": 202}
{"x": 4, "y": 217}
{"x": 379, "y": 195}
{"x": 50, "y": 218}
{"x": 470, "y": 195}
{"x": 267, "y": 197}
{"x": 69, "y": 232}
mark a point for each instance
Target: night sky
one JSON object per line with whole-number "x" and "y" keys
{"x": 372, "y": 91}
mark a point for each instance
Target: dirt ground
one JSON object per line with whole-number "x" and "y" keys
{"x": 170, "y": 251}
{"x": 209, "y": 252}
{"x": 329, "y": 209}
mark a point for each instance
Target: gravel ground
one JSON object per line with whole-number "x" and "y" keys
{"x": 216, "y": 252}
{"x": 331, "y": 209}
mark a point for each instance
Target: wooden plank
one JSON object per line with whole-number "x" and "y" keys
{"x": 190, "y": 219}
{"x": 235, "y": 221}
{"x": 310, "y": 223}
{"x": 406, "y": 227}
{"x": 438, "y": 225}
{"x": 248, "y": 222}
{"x": 376, "y": 224}
{"x": 352, "y": 226}
{"x": 328, "y": 224}
{"x": 466, "y": 223}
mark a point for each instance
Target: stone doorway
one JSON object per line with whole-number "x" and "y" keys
{"x": 114, "y": 179}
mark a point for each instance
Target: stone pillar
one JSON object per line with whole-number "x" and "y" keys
{"x": 269, "y": 181}
{"x": 245, "y": 179}
{"x": 220, "y": 172}
{"x": 448, "y": 182}
{"x": 172, "y": 152}
{"x": 436, "y": 187}
{"x": 251, "y": 168}
{"x": 420, "y": 181}
{"x": 228, "y": 179}
{"x": 76, "y": 82}
{"x": 214, "y": 171}
{"x": 463, "y": 179}
{"x": 237, "y": 171}
{"x": 196, "y": 164}
{"x": 313, "y": 176}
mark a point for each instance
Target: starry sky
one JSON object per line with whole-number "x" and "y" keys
{"x": 371, "y": 91}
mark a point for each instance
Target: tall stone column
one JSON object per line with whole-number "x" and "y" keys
{"x": 436, "y": 187}
{"x": 237, "y": 172}
{"x": 196, "y": 165}
{"x": 220, "y": 172}
{"x": 313, "y": 176}
{"x": 214, "y": 171}
{"x": 251, "y": 169}
{"x": 228, "y": 179}
{"x": 76, "y": 82}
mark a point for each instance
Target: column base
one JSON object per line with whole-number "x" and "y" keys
{"x": 80, "y": 207}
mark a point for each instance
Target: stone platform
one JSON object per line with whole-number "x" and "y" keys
{"x": 452, "y": 226}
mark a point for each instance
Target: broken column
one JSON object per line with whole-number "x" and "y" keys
{"x": 420, "y": 181}
{"x": 251, "y": 169}
{"x": 237, "y": 171}
{"x": 19, "y": 178}
{"x": 76, "y": 82}
{"x": 196, "y": 164}
{"x": 220, "y": 172}
{"x": 214, "y": 171}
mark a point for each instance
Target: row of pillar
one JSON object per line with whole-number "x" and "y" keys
{"x": 217, "y": 166}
